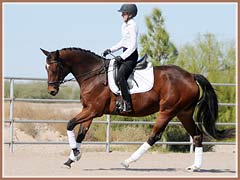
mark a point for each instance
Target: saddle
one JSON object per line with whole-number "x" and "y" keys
{"x": 141, "y": 64}
{"x": 140, "y": 81}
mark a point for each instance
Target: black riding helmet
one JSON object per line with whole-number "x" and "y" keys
{"x": 131, "y": 9}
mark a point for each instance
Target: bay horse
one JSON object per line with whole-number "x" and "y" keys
{"x": 175, "y": 92}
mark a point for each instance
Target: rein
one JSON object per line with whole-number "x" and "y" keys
{"x": 90, "y": 74}
{"x": 101, "y": 70}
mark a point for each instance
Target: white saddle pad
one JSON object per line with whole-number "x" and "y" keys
{"x": 143, "y": 79}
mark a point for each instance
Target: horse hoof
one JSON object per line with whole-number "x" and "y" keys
{"x": 77, "y": 154}
{"x": 78, "y": 157}
{"x": 125, "y": 164}
{"x": 193, "y": 168}
{"x": 66, "y": 166}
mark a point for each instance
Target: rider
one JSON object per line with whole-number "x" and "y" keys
{"x": 128, "y": 59}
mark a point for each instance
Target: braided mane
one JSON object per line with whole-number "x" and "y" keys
{"x": 82, "y": 50}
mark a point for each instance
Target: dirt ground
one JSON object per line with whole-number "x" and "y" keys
{"x": 47, "y": 160}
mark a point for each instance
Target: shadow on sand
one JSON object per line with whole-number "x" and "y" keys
{"x": 162, "y": 170}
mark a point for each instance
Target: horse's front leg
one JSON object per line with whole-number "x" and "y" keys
{"x": 85, "y": 120}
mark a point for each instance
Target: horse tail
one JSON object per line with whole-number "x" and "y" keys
{"x": 207, "y": 113}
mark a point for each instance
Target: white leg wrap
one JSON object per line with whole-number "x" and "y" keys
{"x": 197, "y": 160}
{"x": 78, "y": 146}
{"x": 136, "y": 155}
{"x": 198, "y": 157}
{"x": 71, "y": 156}
{"x": 71, "y": 139}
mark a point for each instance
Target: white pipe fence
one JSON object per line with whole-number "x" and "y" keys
{"x": 107, "y": 122}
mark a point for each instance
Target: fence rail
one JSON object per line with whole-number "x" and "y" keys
{"x": 107, "y": 122}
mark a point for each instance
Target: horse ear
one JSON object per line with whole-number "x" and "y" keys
{"x": 45, "y": 52}
{"x": 57, "y": 53}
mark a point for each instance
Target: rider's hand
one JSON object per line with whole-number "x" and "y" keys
{"x": 106, "y": 52}
{"x": 118, "y": 59}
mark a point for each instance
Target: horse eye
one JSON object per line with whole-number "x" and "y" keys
{"x": 47, "y": 66}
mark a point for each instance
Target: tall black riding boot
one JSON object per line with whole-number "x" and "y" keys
{"x": 127, "y": 107}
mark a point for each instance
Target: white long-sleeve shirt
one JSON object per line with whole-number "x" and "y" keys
{"x": 129, "y": 39}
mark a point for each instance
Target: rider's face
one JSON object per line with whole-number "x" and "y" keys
{"x": 125, "y": 16}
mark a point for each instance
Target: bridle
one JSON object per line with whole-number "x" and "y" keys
{"x": 60, "y": 73}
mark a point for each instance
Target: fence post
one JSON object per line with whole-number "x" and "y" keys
{"x": 108, "y": 134}
{"x": 191, "y": 146}
{"x": 11, "y": 113}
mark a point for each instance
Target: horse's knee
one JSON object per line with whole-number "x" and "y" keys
{"x": 71, "y": 124}
{"x": 197, "y": 140}
{"x": 152, "y": 139}
{"x": 81, "y": 134}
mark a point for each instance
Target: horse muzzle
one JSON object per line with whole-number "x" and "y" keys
{"x": 53, "y": 90}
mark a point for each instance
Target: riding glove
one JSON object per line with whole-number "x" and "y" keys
{"x": 106, "y": 52}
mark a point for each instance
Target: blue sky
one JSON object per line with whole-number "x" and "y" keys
{"x": 30, "y": 26}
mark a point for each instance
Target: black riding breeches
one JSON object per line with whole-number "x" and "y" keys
{"x": 124, "y": 71}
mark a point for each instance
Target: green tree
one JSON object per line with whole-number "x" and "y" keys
{"x": 210, "y": 57}
{"x": 156, "y": 43}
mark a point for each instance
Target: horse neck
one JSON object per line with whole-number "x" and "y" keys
{"x": 82, "y": 63}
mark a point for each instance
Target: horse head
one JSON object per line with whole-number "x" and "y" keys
{"x": 55, "y": 70}
{"x": 83, "y": 64}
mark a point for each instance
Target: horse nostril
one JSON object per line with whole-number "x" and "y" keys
{"x": 52, "y": 92}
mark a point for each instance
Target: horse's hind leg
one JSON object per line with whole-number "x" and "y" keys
{"x": 186, "y": 118}
{"x": 156, "y": 134}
